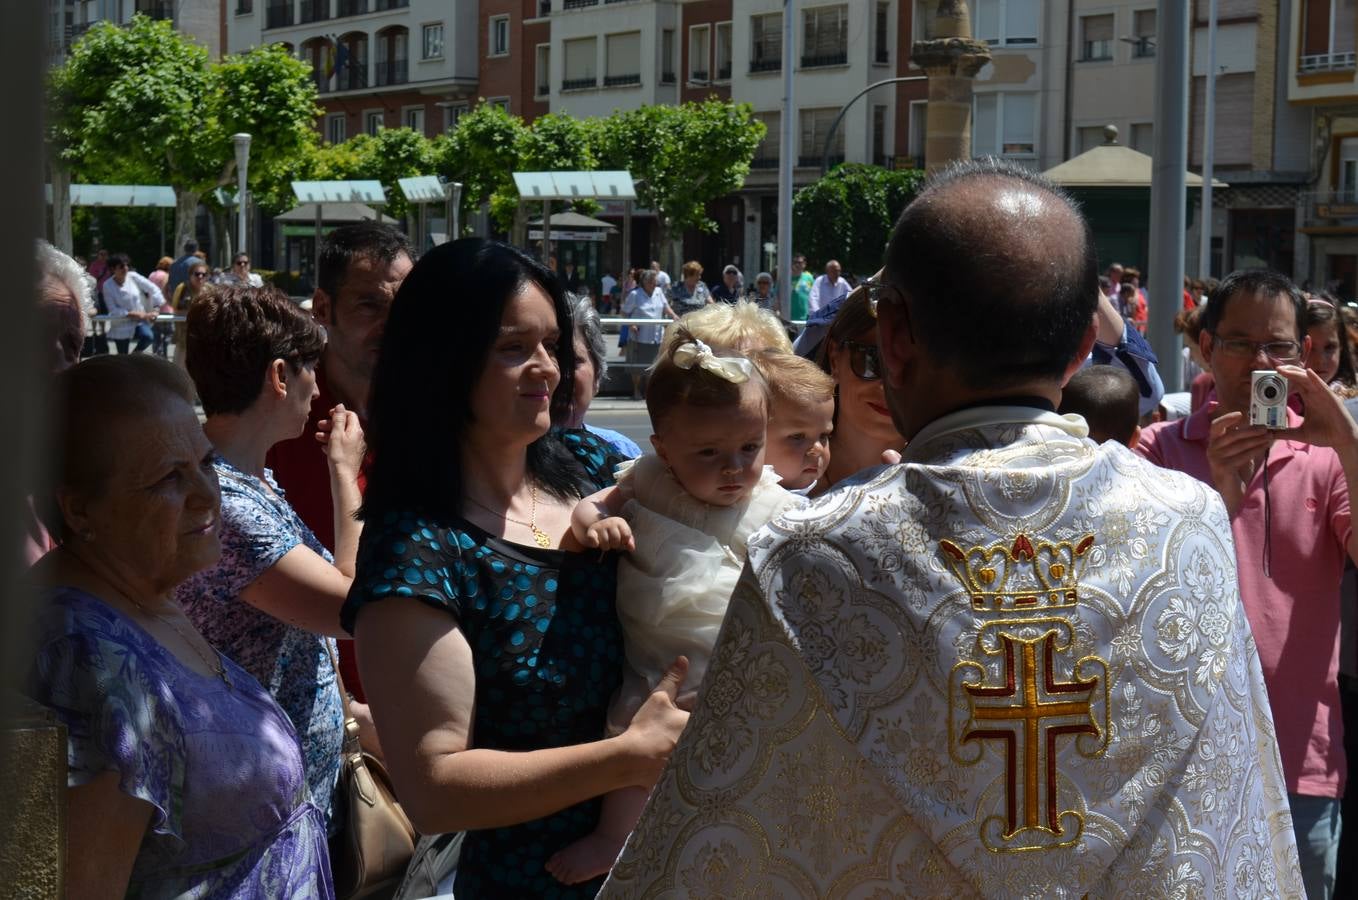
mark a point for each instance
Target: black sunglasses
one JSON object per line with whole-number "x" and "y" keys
{"x": 864, "y": 360}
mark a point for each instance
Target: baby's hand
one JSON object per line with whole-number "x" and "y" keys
{"x": 612, "y": 533}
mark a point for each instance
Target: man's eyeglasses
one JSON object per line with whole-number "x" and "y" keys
{"x": 242, "y": 262}
{"x": 864, "y": 360}
{"x": 1244, "y": 348}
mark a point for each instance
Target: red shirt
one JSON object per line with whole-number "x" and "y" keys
{"x": 1294, "y": 610}
{"x": 301, "y": 470}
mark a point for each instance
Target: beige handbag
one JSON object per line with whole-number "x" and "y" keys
{"x": 368, "y": 858}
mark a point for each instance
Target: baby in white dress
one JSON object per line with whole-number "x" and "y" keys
{"x": 685, "y": 514}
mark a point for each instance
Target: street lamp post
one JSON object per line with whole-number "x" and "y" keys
{"x": 242, "y": 142}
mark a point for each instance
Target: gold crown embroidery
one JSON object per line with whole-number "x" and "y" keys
{"x": 1019, "y": 576}
{"x": 1010, "y": 693}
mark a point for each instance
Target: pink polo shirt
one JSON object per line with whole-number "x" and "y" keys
{"x": 1294, "y": 612}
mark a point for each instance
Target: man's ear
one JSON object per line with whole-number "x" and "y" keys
{"x": 1205, "y": 347}
{"x": 321, "y": 309}
{"x": 1086, "y": 347}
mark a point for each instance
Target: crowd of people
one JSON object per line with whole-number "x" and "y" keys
{"x": 909, "y": 606}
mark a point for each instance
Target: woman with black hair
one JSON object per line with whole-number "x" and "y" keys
{"x": 490, "y": 692}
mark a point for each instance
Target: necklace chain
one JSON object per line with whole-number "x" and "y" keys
{"x": 214, "y": 664}
{"x": 540, "y": 537}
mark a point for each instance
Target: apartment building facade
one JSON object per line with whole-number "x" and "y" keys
{"x": 377, "y": 63}
{"x": 67, "y": 20}
{"x": 1322, "y": 82}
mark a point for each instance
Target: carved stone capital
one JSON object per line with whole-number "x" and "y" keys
{"x": 951, "y": 56}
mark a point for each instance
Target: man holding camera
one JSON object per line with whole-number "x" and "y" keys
{"x": 1287, "y": 492}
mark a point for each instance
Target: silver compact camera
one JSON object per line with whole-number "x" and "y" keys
{"x": 1268, "y": 399}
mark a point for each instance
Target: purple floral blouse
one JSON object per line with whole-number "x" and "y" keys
{"x": 221, "y": 766}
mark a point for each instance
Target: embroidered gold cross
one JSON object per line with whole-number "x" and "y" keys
{"x": 1046, "y": 710}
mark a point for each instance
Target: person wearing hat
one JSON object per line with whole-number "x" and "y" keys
{"x": 729, "y": 290}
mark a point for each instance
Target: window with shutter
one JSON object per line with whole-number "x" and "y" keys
{"x": 766, "y": 42}
{"x": 1096, "y": 38}
{"x": 580, "y": 56}
{"x": 623, "y": 59}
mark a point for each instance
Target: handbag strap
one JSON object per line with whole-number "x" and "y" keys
{"x": 350, "y": 723}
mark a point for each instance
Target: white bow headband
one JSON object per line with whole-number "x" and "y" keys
{"x": 735, "y": 369}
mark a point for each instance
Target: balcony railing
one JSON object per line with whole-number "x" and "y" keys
{"x": 353, "y": 76}
{"x": 1329, "y": 207}
{"x": 1144, "y": 48}
{"x": 766, "y": 65}
{"x": 542, "y": 90}
{"x": 315, "y": 11}
{"x": 579, "y": 84}
{"x": 544, "y": 7}
{"x": 278, "y": 15}
{"x": 667, "y": 78}
{"x": 882, "y": 57}
{"x": 825, "y": 59}
{"x": 1327, "y": 62}
{"x": 384, "y": 5}
{"x": 698, "y": 77}
{"x": 622, "y": 80}
{"x": 813, "y": 162}
{"x": 352, "y": 7}
{"x": 578, "y": 4}
{"x": 764, "y": 162}
{"x": 156, "y": 9}
{"x": 393, "y": 71}
{"x": 724, "y": 72}
{"x": 244, "y": 6}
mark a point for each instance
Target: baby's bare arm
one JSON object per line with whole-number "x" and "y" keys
{"x": 597, "y": 523}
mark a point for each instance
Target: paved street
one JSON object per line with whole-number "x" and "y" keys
{"x": 625, "y": 415}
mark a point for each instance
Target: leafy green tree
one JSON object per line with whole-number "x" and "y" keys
{"x": 848, "y": 214}
{"x": 141, "y": 103}
{"x": 389, "y": 155}
{"x": 483, "y": 153}
{"x": 683, "y": 157}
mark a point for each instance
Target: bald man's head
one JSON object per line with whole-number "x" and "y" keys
{"x": 999, "y": 270}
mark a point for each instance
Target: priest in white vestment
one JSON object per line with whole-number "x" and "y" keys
{"x": 1014, "y": 665}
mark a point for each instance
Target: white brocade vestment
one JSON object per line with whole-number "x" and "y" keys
{"x": 1015, "y": 665}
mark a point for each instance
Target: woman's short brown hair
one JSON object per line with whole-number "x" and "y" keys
{"x": 692, "y": 269}
{"x": 235, "y": 333}
{"x": 671, "y": 386}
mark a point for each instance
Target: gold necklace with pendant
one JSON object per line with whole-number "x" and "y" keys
{"x": 540, "y": 537}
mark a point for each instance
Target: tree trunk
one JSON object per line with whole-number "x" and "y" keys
{"x": 61, "y": 210}
{"x": 221, "y": 236}
{"x": 185, "y": 218}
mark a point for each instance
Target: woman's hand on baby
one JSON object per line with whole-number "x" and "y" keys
{"x": 612, "y": 533}
{"x": 656, "y": 727}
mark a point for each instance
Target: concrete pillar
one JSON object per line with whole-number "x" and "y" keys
{"x": 951, "y": 57}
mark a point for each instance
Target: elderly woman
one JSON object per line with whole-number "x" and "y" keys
{"x": 272, "y": 601}
{"x": 185, "y": 776}
{"x": 690, "y": 293}
{"x": 487, "y": 637}
{"x": 591, "y": 367}
{"x": 863, "y": 426}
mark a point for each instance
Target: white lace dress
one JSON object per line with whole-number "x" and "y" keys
{"x": 673, "y": 589}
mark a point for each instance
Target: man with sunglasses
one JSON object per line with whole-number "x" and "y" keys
{"x": 1287, "y": 492}
{"x": 1014, "y": 663}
